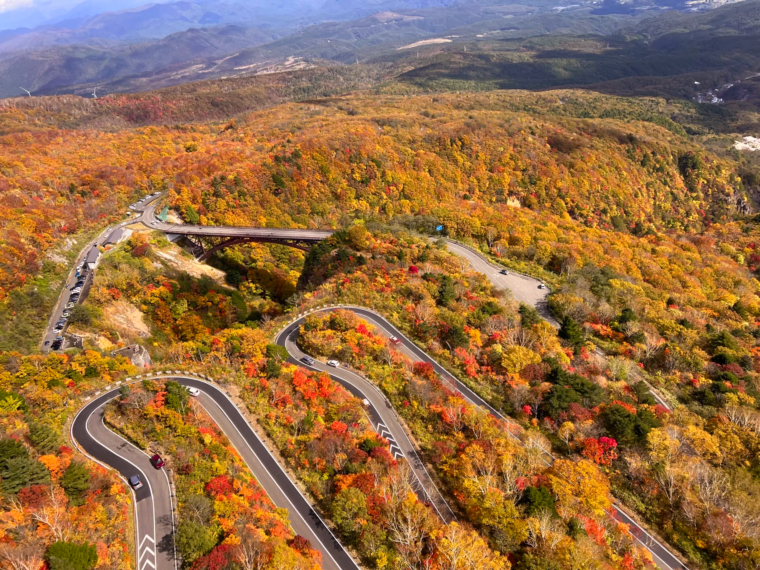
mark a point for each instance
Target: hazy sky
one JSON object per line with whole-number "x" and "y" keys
{"x": 6, "y": 5}
{"x": 30, "y": 13}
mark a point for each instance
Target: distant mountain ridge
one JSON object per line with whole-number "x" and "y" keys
{"x": 54, "y": 70}
{"x": 457, "y": 44}
{"x": 209, "y": 52}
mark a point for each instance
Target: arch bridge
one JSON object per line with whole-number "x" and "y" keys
{"x": 207, "y": 240}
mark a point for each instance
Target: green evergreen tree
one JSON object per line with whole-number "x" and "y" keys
{"x": 446, "y": 292}
{"x": 539, "y": 499}
{"x": 11, "y": 449}
{"x": 44, "y": 438}
{"x": 575, "y": 529}
{"x": 456, "y": 337}
{"x": 559, "y": 399}
{"x": 21, "y": 472}
{"x": 70, "y": 556}
{"x": 192, "y": 215}
{"x": 528, "y": 316}
{"x": 572, "y": 332}
{"x": 627, "y": 316}
{"x": 177, "y": 397}
{"x": 273, "y": 368}
{"x": 626, "y": 427}
{"x": 76, "y": 482}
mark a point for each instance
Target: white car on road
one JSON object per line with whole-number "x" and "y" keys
{"x": 333, "y": 363}
{"x": 194, "y": 391}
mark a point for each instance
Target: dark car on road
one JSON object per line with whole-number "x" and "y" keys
{"x": 308, "y": 360}
{"x": 56, "y": 344}
{"x": 156, "y": 461}
{"x": 504, "y": 272}
{"x": 134, "y": 482}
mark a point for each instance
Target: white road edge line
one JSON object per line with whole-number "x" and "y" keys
{"x": 490, "y": 408}
{"x": 416, "y": 476}
{"x": 327, "y": 549}
{"x": 152, "y": 505}
{"x": 168, "y": 484}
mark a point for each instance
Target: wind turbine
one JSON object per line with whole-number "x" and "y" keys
{"x": 27, "y": 91}
{"x": 95, "y": 93}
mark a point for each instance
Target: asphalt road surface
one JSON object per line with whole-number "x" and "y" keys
{"x": 71, "y": 279}
{"x": 382, "y": 417}
{"x": 524, "y": 289}
{"x": 154, "y": 517}
{"x": 660, "y": 554}
{"x": 271, "y": 476}
{"x": 153, "y": 507}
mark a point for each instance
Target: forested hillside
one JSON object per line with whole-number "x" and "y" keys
{"x": 311, "y": 164}
{"x": 647, "y": 393}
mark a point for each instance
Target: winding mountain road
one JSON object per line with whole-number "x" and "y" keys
{"x": 523, "y": 288}
{"x": 363, "y": 388}
{"x": 154, "y": 509}
{"x": 154, "y": 520}
{"x": 381, "y": 414}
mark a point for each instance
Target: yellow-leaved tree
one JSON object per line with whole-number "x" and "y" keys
{"x": 580, "y": 487}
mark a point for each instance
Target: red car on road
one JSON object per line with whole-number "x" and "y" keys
{"x": 395, "y": 340}
{"x": 156, "y": 461}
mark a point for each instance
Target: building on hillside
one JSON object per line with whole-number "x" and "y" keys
{"x": 93, "y": 256}
{"x": 137, "y": 355}
{"x": 117, "y": 236}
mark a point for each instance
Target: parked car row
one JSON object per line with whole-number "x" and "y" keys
{"x": 144, "y": 200}
{"x": 75, "y": 290}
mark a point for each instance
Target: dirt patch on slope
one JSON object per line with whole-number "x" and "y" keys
{"x": 173, "y": 256}
{"x": 126, "y": 319}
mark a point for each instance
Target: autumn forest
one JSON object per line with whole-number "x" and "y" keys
{"x": 635, "y": 386}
